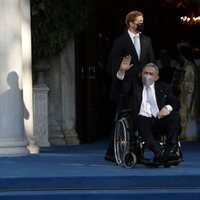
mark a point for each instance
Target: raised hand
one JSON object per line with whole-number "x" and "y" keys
{"x": 125, "y": 64}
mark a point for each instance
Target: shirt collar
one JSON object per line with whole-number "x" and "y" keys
{"x": 132, "y": 35}
{"x": 151, "y": 86}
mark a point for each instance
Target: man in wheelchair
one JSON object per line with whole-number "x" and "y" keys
{"x": 153, "y": 107}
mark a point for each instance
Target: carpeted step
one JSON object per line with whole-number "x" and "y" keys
{"x": 120, "y": 194}
{"x": 81, "y": 173}
{"x": 101, "y": 182}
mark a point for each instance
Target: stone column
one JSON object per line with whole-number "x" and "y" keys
{"x": 52, "y": 78}
{"x": 68, "y": 94}
{"x": 12, "y": 108}
{"x": 27, "y": 74}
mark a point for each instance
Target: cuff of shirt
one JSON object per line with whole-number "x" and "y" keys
{"x": 120, "y": 76}
{"x": 169, "y": 108}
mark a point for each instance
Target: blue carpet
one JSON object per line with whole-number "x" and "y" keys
{"x": 80, "y": 172}
{"x": 145, "y": 194}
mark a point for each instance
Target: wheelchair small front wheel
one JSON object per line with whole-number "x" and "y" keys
{"x": 130, "y": 160}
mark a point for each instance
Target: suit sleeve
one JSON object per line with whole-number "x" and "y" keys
{"x": 172, "y": 100}
{"x": 125, "y": 91}
{"x": 116, "y": 57}
{"x": 151, "y": 52}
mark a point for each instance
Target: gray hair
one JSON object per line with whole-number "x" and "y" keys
{"x": 152, "y": 65}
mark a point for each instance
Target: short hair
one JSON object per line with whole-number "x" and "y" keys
{"x": 131, "y": 16}
{"x": 153, "y": 66}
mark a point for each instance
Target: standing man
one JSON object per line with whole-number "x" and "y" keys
{"x": 137, "y": 49}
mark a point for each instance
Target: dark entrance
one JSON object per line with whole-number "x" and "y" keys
{"x": 162, "y": 24}
{"x": 93, "y": 106}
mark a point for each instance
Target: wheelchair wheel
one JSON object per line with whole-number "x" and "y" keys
{"x": 130, "y": 160}
{"x": 121, "y": 140}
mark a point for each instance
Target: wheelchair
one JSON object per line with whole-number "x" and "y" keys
{"x": 129, "y": 147}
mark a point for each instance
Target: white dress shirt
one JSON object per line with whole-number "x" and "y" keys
{"x": 132, "y": 35}
{"x": 145, "y": 109}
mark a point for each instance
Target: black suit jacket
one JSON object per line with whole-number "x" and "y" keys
{"x": 122, "y": 47}
{"x": 164, "y": 96}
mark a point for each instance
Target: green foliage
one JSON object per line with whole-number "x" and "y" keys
{"x": 53, "y": 22}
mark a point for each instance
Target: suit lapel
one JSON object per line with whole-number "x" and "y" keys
{"x": 143, "y": 47}
{"x": 131, "y": 46}
{"x": 139, "y": 94}
{"x": 129, "y": 41}
{"x": 159, "y": 95}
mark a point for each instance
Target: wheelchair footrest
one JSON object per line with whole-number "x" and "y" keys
{"x": 150, "y": 163}
{"x": 171, "y": 163}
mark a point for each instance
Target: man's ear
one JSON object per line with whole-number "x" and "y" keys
{"x": 157, "y": 78}
{"x": 131, "y": 24}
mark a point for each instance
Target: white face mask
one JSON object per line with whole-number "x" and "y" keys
{"x": 147, "y": 79}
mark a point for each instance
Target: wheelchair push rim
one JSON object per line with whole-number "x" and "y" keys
{"x": 121, "y": 140}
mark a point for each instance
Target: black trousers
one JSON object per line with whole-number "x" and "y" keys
{"x": 148, "y": 127}
{"x": 110, "y": 149}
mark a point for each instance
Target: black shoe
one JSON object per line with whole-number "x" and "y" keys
{"x": 172, "y": 162}
{"x": 158, "y": 158}
{"x": 172, "y": 156}
{"x": 110, "y": 158}
{"x": 144, "y": 160}
{"x": 148, "y": 162}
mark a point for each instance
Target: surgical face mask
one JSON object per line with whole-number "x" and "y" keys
{"x": 147, "y": 79}
{"x": 140, "y": 27}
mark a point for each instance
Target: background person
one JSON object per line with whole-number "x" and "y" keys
{"x": 189, "y": 94}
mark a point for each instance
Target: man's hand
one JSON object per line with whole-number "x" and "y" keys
{"x": 125, "y": 65}
{"x": 163, "y": 112}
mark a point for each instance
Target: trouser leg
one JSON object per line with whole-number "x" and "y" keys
{"x": 172, "y": 122}
{"x": 110, "y": 149}
{"x": 144, "y": 126}
{"x": 171, "y": 126}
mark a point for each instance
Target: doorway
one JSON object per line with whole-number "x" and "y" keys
{"x": 93, "y": 106}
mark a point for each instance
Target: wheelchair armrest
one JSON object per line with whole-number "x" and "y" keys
{"x": 125, "y": 111}
{"x": 122, "y": 113}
